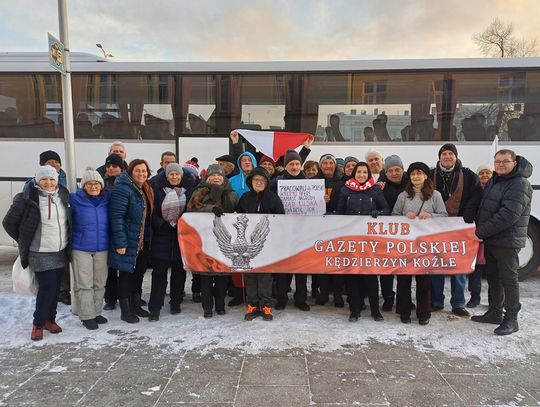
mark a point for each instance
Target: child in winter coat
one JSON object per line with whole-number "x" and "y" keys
{"x": 259, "y": 199}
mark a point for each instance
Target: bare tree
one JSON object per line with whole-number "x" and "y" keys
{"x": 499, "y": 40}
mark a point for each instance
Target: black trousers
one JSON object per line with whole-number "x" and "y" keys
{"x": 159, "y": 283}
{"x": 357, "y": 285}
{"x": 213, "y": 290}
{"x": 126, "y": 282}
{"x": 283, "y": 283}
{"x": 331, "y": 284}
{"x": 142, "y": 263}
{"x": 475, "y": 280}
{"x": 47, "y": 295}
{"x": 503, "y": 286}
{"x": 423, "y": 295}
{"x": 387, "y": 287}
{"x": 195, "y": 283}
{"x": 111, "y": 286}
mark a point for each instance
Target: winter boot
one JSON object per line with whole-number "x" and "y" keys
{"x": 154, "y": 315}
{"x": 101, "y": 320}
{"x": 136, "y": 306}
{"x": 376, "y": 315}
{"x": 252, "y": 312}
{"x": 507, "y": 327}
{"x": 90, "y": 324}
{"x": 388, "y": 304}
{"x": 37, "y": 333}
{"x": 474, "y": 301}
{"x": 267, "y": 313}
{"x": 52, "y": 327}
{"x": 175, "y": 309}
{"x": 126, "y": 314}
{"x": 490, "y": 317}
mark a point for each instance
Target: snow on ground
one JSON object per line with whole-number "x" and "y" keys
{"x": 323, "y": 328}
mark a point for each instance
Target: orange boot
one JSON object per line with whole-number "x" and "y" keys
{"x": 252, "y": 312}
{"x": 267, "y": 313}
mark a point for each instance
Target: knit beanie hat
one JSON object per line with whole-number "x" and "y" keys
{"x": 349, "y": 159}
{"x": 418, "y": 166}
{"x": 45, "y": 171}
{"x": 291, "y": 155}
{"x": 340, "y": 161}
{"x": 327, "y": 157}
{"x": 484, "y": 167}
{"x": 174, "y": 167}
{"x": 114, "y": 159}
{"x": 214, "y": 169}
{"x": 49, "y": 155}
{"x": 448, "y": 147}
{"x": 190, "y": 167}
{"x": 91, "y": 175}
{"x": 393, "y": 161}
{"x": 265, "y": 158}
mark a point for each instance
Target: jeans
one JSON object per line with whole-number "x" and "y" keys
{"x": 457, "y": 289}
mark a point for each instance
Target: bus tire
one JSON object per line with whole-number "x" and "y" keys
{"x": 530, "y": 261}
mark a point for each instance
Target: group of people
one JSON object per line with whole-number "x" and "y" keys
{"x": 121, "y": 222}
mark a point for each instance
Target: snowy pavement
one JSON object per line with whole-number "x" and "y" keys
{"x": 299, "y": 359}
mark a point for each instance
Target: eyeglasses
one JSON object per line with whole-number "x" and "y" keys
{"x": 258, "y": 181}
{"x": 92, "y": 184}
{"x": 503, "y": 162}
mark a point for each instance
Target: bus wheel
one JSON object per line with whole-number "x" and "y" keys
{"x": 529, "y": 256}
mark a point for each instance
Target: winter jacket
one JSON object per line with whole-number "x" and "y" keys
{"x": 126, "y": 212}
{"x": 90, "y": 221}
{"x": 260, "y": 202}
{"x": 238, "y": 182}
{"x": 164, "y": 236}
{"x": 434, "y": 205}
{"x": 334, "y": 183}
{"x": 472, "y": 191}
{"x": 205, "y": 196}
{"x": 23, "y": 219}
{"x": 503, "y": 216}
{"x": 392, "y": 190}
{"x": 367, "y": 202}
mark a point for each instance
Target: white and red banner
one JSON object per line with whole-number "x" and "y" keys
{"x": 274, "y": 144}
{"x": 326, "y": 244}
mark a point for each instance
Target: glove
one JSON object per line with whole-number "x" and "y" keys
{"x": 469, "y": 215}
{"x": 374, "y": 214}
{"x": 217, "y": 211}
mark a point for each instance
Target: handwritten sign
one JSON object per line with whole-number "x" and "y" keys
{"x": 302, "y": 196}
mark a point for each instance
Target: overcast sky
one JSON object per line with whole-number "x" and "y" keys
{"x": 207, "y": 30}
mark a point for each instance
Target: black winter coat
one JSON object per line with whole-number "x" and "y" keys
{"x": 368, "y": 202}
{"x": 392, "y": 190}
{"x": 260, "y": 202}
{"x": 472, "y": 191}
{"x": 164, "y": 236}
{"x": 503, "y": 216}
{"x": 23, "y": 217}
{"x": 335, "y": 183}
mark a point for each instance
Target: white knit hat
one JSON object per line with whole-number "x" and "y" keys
{"x": 46, "y": 171}
{"x": 91, "y": 175}
{"x": 484, "y": 167}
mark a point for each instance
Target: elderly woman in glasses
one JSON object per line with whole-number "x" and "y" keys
{"x": 90, "y": 212}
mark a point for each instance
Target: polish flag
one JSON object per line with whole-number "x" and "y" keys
{"x": 274, "y": 144}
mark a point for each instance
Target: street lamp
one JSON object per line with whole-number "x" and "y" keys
{"x": 105, "y": 53}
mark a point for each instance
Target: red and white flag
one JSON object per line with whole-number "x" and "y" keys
{"x": 274, "y": 144}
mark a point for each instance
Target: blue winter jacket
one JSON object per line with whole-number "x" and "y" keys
{"x": 90, "y": 232}
{"x": 126, "y": 212}
{"x": 239, "y": 181}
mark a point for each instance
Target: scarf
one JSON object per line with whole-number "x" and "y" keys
{"x": 50, "y": 198}
{"x": 356, "y": 186}
{"x": 173, "y": 204}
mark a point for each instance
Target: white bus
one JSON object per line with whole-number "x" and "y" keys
{"x": 404, "y": 107}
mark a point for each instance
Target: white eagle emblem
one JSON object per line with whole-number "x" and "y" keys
{"x": 241, "y": 252}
